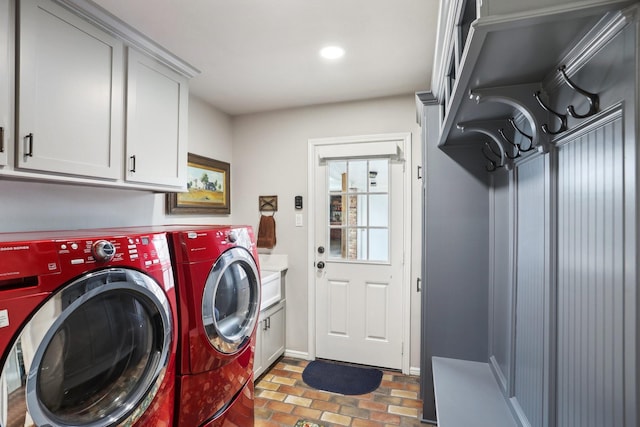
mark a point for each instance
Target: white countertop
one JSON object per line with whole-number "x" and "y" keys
{"x": 273, "y": 262}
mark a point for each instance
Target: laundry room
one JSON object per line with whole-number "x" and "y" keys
{"x": 452, "y": 194}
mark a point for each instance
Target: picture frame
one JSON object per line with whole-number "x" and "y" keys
{"x": 208, "y": 188}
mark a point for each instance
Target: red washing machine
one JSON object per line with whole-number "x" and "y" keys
{"x": 219, "y": 300}
{"x": 87, "y": 330}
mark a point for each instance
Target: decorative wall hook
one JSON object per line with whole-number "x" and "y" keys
{"x": 497, "y": 153}
{"x": 268, "y": 203}
{"x": 594, "y": 99}
{"x": 561, "y": 117}
{"x": 492, "y": 165}
{"x": 513, "y": 124}
{"x": 511, "y": 143}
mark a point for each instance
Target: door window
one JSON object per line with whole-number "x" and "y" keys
{"x": 358, "y": 220}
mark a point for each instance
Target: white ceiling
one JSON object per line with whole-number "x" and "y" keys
{"x": 258, "y": 55}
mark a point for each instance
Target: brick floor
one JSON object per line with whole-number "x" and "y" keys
{"x": 282, "y": 398}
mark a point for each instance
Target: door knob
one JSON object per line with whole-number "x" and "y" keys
{"x": 320, "y": 265}
{"x": 320, "y": 249}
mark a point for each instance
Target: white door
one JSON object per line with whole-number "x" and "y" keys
{"x": 359, "y": 228}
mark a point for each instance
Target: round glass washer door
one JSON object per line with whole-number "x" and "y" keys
{"x": 231, "y": 300}
{"x": 95, "y": 353}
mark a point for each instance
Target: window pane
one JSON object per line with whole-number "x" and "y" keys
{"x": 358, "y": 176}
{"x": 379, "y": 214}
{"x": 335, "y": 243}
{"x": 336, "y": 170}
{"x": 362, "y": 243}
{"x": 335, "y": 210}
{"x": 379, "y": 244}
{"x": 379, "y": 176}
{"x": 357, "y": 210}
{"x": 352, "y": 244}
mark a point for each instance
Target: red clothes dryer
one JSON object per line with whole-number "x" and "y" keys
{"x": 87, "y": 330}
{"x": 219, "y": 299}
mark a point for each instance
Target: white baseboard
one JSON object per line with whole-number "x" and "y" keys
{"x": 297, "y": 354}
{"x": 414, "y": 371}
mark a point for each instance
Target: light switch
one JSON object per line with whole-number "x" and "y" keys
{"x": 299, "y": 220}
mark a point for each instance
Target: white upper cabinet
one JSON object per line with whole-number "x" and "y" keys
{"x": 96, "y": 102}
{"x": 156, "y": 134}
{"x": 4, "y": 82}
{"x": 70, "y": 102}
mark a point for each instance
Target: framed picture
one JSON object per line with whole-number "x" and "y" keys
{"x": 208, "y": 185}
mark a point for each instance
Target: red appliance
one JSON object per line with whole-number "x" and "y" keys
{"x": 219, "y": 298}
{"x": 88, "y": 334}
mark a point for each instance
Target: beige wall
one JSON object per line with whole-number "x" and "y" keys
{"x": 270, "y": 158}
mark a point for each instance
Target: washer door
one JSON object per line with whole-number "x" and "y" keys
{"x": 231, "y": 300}
{"x": 95, "y": 353}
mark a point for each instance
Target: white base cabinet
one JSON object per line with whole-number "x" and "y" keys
{"x": 270, "y": 338}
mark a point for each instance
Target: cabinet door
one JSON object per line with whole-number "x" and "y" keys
{"x": 258, "y": 367}
{"x": 157, "y": 102}
{"x": 273, "y": 337}
{"x": 70, "y": 101}
{"x": 4, "y": 80}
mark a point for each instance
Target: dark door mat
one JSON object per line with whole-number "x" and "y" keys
{"x": 343, "y": 379}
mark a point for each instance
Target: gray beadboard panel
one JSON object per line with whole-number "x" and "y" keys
{"x": 501, "y": 288}
{"x": 531, "y": 286}
{"x": 590, "y": 364}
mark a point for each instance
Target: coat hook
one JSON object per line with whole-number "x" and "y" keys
{"x": 516, "y": 146}
{"x": 498, "y": 155}
{"x": 513, "y": 124}
{"x": 594, "y": 99}
{"x": 561, "y": 117}
{"x": 492, "y": 165}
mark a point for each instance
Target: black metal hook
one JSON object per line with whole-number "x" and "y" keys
{"x": 492, "y": 165}
{"x": 513, "y": 144}
{"x": 513, "y": 124}
{"x": 593, "y": 98}
{"x": 561, "y": 117}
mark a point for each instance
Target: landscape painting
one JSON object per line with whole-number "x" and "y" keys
{"x": 208, "y": 188}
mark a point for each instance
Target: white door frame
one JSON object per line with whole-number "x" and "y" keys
{"x": 404, "y": 141}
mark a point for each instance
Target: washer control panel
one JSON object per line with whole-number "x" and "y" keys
{"x": 142, "y": 251}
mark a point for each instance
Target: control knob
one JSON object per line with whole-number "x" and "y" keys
{"x": 103, "y": 250}
{"x": 232, "y": 236}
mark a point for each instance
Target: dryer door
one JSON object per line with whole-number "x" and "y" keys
{"x": 231, "y": 300}
{"x": 94, "y": 354}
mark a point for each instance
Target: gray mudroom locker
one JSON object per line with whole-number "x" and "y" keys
{"x": 536, "y": 145}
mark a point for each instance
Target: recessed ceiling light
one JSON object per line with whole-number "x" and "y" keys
{"x": 332, "y": 52}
